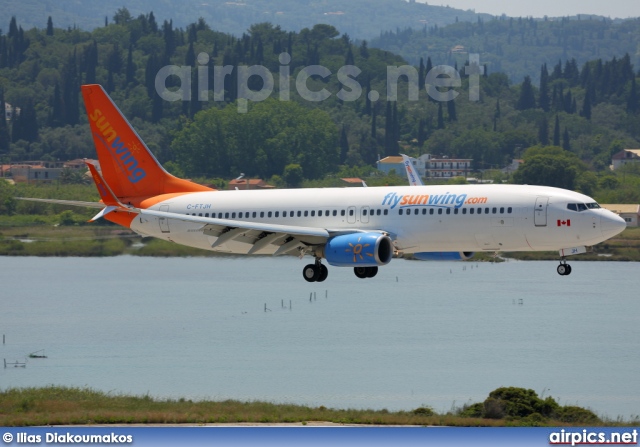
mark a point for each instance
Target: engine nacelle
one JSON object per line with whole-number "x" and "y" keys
{"x": 444, "y": 256}
{"x": 359, "y": 250}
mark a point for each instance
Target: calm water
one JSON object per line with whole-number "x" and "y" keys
{"x": 420, "y": 333}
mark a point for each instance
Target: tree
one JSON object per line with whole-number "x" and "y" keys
{"x": 49, "y": 27}
{"x": 556, "y": 132}
{"x": 293, "y": 175}
{"x": 527, "y": 99}
{"x": 549, "y": 166}
{"x": 5, "y": 138}
{"x": 543, "y": 97}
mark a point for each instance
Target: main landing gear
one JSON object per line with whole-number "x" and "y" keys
{"x": 564, "y": 269}
{"x": 317, "y": 272}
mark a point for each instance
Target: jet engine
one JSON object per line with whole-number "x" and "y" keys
{"x": 359, "y": 250}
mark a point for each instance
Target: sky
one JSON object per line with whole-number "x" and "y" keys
{"x": 551, "y": 8}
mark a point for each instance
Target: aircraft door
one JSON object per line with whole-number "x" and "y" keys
{"x": 163, "y": 221}
{"x": 540, "y": 212}
{"x": 351, "y": 214}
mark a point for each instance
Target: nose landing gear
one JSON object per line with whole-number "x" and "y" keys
{"x": 564, "y": 269}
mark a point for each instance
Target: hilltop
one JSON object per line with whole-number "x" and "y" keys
{"x": 362, "y": 19}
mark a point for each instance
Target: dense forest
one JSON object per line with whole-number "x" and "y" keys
{"x": 584, "y": 112}
{"x": 517, "y": 46}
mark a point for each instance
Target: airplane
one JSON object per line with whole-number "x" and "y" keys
{"x": 412, "y": 175}
{"x": 359, "y": 228}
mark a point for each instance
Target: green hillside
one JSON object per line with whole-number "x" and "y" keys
{"x": 518, "y": 46}
{"x": 586, "y": 111}
{"x": 361, "y": 19}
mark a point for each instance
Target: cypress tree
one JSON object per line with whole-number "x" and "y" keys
{"x": 344, "y": 145}
{"x": 632, "y": 100}
{"x": 131, "y": 67}
{"x": 556, "y": 132}
{"x": 566, "y": 144}
{"x": 421, "y": 75}
{"x": 543, "y": 131}
{"x": 451, "y": 110}
{"x": 440, "y": 116}
{"x": 543, "y": 100}
{"x": 527, "y": 99}
{"x": 49, "y": 27}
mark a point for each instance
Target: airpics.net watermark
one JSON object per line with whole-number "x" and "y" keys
{"x": 440, "y": 82}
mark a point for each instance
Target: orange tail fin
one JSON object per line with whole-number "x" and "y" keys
{"x": 127, "y": 164}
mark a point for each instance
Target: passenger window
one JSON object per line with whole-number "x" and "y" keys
{"x": 386, "y": 212}
{"x": 424, "y": 211}
{"x": 335, "y": 212}
{"x": 455, "y": 211}
{"x": 240, "y": 215}
{"x": 261, "y": 213}
{"x": 448, "y": 210}
{"x": 219, "y": 215}
{"x": 313, "y": 213}
{"x": 439, "y": 210}
{"x": 200, "y": 214}
{"x": 350, "y": 212}
{"x": 306, "y": 214}
{"x": 464, "y": 211}
{"x": 299, "y": 213}
{"x": 364, "y": 212}
{"x": 319, "y": 213}
{"x": 284, "y": 214}
{"x": 378, "y": 212}
{"x": 254, "y": 214}
{"x": 471, "y": 210}
{"x": 277, "y": 214}
{"x": 226, "y": 215}
{"x": 400, "y": 211}
{"x": 509, "y": 210}
{"x": 206, "y": 215}
{"x": 486, "y": 210}
{"x": 479, "y": 210}
{"x": 494, "y": 210}
{"x": 343, "y": 213}
{"x": 233, "y": 215}
{"x": 431, "y": 211}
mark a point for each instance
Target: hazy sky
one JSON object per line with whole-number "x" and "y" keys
{"x": 551, "y": 8}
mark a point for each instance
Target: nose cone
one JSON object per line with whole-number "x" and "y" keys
{"x": 611, "y": 224}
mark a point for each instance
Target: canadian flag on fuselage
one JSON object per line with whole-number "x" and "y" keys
{"x": 562, "y": 223}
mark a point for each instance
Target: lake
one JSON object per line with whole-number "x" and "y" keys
{"x": 440, "y": 334}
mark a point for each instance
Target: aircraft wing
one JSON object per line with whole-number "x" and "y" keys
{"x": 65, "y": 202}
{"x": 258, "y": 235}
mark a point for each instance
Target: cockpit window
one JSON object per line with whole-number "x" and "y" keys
{"x": 581, "y": 206}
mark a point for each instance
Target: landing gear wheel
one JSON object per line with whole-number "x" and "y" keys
{"x": 564, "y": 269}
{"x": 311, "y": 273}
{"x": 324, "y": 272}
{"x": 361, "y": 272}
{"x": 365, "y": 272}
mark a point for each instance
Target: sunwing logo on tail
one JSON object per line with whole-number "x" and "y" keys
{"x": 116, "y": 146}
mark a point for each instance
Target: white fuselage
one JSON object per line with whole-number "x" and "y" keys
{"x": 450, "y": 218}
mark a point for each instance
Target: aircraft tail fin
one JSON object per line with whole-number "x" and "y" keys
{"x": 128, "y": 166}
{"x": 412, "y": 175}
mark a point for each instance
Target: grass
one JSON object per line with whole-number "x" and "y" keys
{"x": 81, "y": 239}
{"x": 82, "y": 406}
